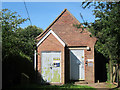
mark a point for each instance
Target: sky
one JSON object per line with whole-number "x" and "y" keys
{"x": 42, "y": 14}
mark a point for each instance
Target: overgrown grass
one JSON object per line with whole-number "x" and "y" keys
{"x": 110, "y": 85}
{"x": 52, "y": 87}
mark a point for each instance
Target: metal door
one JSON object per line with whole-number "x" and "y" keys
{"x": 77, "y": 64}
{"x": 50, "y": 66}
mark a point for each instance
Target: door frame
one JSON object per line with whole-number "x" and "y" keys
{"x": 60, "y": 64}
{"x": 84, "y": 60}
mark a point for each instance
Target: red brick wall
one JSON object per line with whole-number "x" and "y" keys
{"x": 51, "y": 44}
{"x": 90, "y": 70}
{"x": 64, "y": 28}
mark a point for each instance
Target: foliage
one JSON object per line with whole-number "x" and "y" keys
{"x": 16, "y": 39}
{"x": 110, "y": 85}
{"x": 27, "y": 38}
{"x": 106, "y": 28}
{"x": 10, "y": 23}
{"x": 17, "y": 47}
{"x": 10, "y": 20}
{"x": 13, "y": 67}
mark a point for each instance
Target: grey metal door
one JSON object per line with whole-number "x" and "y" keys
{"x": 77, "y": 65}
{"x": 50, "y": 66}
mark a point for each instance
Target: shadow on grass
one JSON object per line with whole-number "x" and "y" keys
{"x": 52, "y": 87}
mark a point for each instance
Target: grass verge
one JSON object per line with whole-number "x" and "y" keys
{"x": 51, "y": 87}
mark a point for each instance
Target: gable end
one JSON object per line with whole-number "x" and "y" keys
{"x": 50, "y": 32}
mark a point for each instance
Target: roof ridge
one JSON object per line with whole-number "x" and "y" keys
{"x": 52, "y": 23}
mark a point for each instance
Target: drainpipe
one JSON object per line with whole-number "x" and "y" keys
{"x": 35, "y": 64}
{"x": 35, "y": 59}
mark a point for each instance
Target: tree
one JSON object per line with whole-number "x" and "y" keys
{"x": 10, "y": 23}
{"x": 27, "y": 37}
{"x": 106, "y": 28}
{"x": 17, "y": 48}
{"x": 15, "y": 39}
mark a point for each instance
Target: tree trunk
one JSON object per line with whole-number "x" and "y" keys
{"x": 110, "y": 70}
{"x": 114, "y": 73}
{"x": 118, "y": 75}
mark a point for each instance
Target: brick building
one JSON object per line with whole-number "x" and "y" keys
{"x": 64, "y": 52}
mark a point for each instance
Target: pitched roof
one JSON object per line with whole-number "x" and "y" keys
{"x": 64, "y": 27}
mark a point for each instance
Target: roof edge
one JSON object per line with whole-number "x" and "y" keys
{"x": 51, "y": 24}
{"x": 73, "y": 17}
{"x": 54, "y": 34}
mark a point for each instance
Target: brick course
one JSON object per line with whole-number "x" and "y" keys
{"x": 63, "y": 27}
{"x": 51, "y": 44}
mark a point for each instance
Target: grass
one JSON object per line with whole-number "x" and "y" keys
{"x": 52, "y": 87}
{"x": 110, "y": 85}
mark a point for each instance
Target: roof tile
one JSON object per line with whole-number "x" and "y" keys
{"x": 64, "y": 27}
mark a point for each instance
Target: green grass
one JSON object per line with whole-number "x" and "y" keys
{"x": 52, "y": 87}
{"x": 111, "y": 85}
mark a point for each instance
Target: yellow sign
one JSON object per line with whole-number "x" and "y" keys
{"x": 56, "y": 58}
